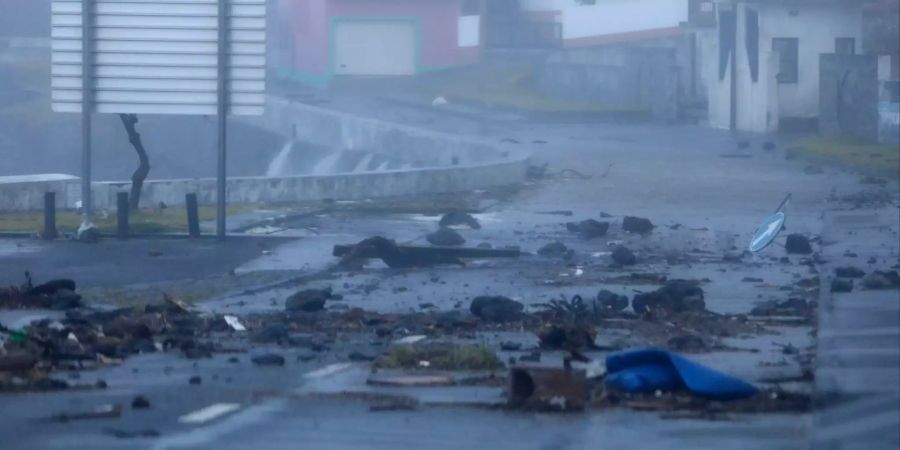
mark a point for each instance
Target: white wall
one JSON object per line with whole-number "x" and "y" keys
{"x": 763, "y": 103}
{"x": 469, "y": 31}
{"x": 816, "y": 27}
{"x": 612, "y": 16}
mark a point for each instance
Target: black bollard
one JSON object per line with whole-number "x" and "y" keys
{"x": 122, "y": 215}
{"x": 193, "y": 217}
{"x": 50, "y": 216}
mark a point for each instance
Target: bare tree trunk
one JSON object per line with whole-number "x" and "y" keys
{"x": 139, "y": 175}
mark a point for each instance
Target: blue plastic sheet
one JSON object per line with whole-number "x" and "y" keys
{"x": 652, "y": 369}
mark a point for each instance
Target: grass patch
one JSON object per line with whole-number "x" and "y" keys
{"x": 441, "y": 357}
{"x": 852, "y": 152}
{"x": 512, "y": 88}
{"x": 145, "y": 221}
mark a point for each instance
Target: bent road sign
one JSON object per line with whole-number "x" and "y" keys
{"x": 767, "y": 232}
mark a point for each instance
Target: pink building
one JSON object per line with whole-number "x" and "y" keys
{"x": 328, "y": 38}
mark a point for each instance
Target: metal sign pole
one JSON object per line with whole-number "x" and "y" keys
{"x": 222, "y": 118}
{"x": 87, "y": 90}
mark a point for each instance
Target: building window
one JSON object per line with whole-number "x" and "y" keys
{"x": 845, "y": 46}
{"x": 471, "y": 8}
{"x": 788, "y": 54}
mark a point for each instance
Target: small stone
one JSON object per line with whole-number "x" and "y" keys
{"x": 140, "y": 402}
{"x": 101, "y": 384}
{"x": 623, "y": 256}
{"x": 196, "y": 379}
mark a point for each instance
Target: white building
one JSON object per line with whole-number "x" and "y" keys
{"x": 775, "y": 77}
{"x": 586, "y": 23}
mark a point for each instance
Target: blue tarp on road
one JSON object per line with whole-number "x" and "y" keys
{"x": 652, "y": 369}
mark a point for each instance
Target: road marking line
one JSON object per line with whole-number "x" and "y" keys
{"x": 330, "y": 369}
{"x": 209, "y": 413}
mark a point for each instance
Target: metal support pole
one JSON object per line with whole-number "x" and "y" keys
{"x": 193, "y": 216}
{"x": 87, "y": 107}
{"x": 50, "y": 216}
{"x": 222, "y": 118}
{"x": 122, "y": 211}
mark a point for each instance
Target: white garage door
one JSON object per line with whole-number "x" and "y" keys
{"x": 375, "y": 48}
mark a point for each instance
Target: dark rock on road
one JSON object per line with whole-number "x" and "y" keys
{"x": 275, "y": 333}
{"x": 569, "y": 337}
{"x": 140, "y": 402}
{"x": 445, "y": 237}
{"x": 459, "y": 218}
{"x": 496, "y": 309}
{"x": 53, "y": 286}
{"x": 637, "y": 225}
{"x": 308, "y": 300}
{"x": 610, "y": 301}
{"x": 555, "y": 249}
{"x": 849, "y": 272}
{"x": 882, "y": 280}
{"x": 674, "y": 296}
{"x": 798, "y": 244}
{"x": 588, "y": 229}
{"x": 269, "y": 359}
{"x": 623, "y": 256}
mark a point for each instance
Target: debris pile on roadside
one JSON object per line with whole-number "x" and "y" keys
{"x": 87, "y": 339}
{"x": 55, "y": 294}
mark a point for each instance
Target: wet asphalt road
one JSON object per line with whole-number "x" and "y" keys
{"x": 674, "y": 175}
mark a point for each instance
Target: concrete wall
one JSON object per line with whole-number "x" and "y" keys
{"x": 764, "y": 103}
{"x": 453, "y": 164}
{"x": 20, "y": 193}
{"x": 608, "y": 21}
{"x": 849, "y": 96}
{"x": 627, "y": 77}
{"x": 326, "y": 127}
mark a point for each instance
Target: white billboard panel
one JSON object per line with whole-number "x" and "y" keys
{"x": 160, "y": 56}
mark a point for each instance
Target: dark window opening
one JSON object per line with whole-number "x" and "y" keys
{"x": 788, "y": 55}
{"x": 845, "y": 46}
{"x": 727, "y": 22}
{"x": 752, "y": 42}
